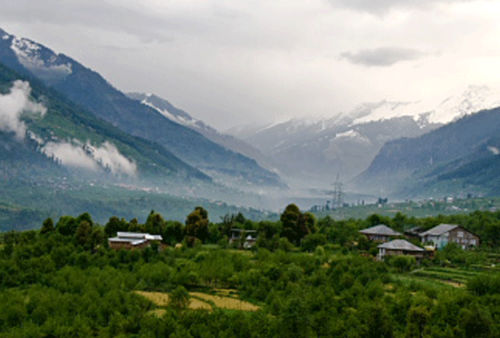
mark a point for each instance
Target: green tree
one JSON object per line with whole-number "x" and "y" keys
{"x": 66, "y": 225}
{"x": 416, "y": 320}
{"x": 197, "y": 224}
{"x": 47, "y": 226}
{"x": 296, "y": 225}
{"x": 174, "y": 232}
{"x": 179, "y": 298}
{"x": 155, "y": 224}
{"x": 475, "y": 322}
{"x": 114, "y": 225}
{"x": 83, "y": 232}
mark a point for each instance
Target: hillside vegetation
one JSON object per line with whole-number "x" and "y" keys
{"x": 305, "y": 278}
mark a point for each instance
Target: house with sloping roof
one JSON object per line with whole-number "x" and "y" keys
{"x": 132, "y": 240}
{"x": 244, "y": 238}
{"x": 443, "y": 234}
{"x": 380, "y": 233}
{"x": 399, "y": 247}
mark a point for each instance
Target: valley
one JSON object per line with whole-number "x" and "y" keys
{"x": 245, "y": 169}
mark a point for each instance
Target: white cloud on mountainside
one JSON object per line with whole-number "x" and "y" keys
{"x": 89, "y": 157}
{"x": 72, "y": 154}
{"x": 14, "y": 104}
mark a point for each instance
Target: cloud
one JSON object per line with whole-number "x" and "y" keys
{"x": 383, "y": 56}
{"x": 70, "y": 155}
{"x": 255, "y": 62}
{"x": 88, "y": 157}
{"x": 14, "y": 104}
{"x": 109, "y": 157}
{"x": 383, "y": 6}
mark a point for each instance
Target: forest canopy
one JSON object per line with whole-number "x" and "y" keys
{"x": 305, "y": 277}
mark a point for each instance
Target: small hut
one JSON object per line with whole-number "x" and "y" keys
{"x": 400, "y": 247}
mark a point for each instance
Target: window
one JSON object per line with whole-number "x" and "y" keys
{"x": 460, "y": 234}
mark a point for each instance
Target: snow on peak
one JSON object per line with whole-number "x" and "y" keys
{"x": 385, "y": 110}
{"x": 494, "y": 150}
{"x": 183, "y": 119}
{"x": 472, "y": 100}
{"x": 29, "y": 54}
{"x": 351, "y": 133}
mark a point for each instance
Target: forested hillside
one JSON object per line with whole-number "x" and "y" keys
{"x": 460, "y": 156}
{"x": 90, "y": 90}
{"x": 305, "y": 278}
{"x": 66, "y": 125}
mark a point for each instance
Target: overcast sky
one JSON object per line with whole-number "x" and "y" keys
{"x": 235, "y": 62}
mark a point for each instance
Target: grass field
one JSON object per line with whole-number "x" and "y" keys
{"x": 439, "y": 276}
{"x": 200, "y": 301}
{"x": 224, "y": 302}
{"x": 161, "y": 299}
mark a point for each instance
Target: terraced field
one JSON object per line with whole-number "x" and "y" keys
{"x": 456, "y": 277}
{"x": 223, "y": 302}
{"x": 450, "y": 276}
{"x": 223, "y": 299}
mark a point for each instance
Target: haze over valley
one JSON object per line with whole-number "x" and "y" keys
{"x": 82, "y": 122}
{"x": 201, "y": 168}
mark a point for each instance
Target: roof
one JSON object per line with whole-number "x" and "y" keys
{"x": 400, "y": 244}
{"x": 380, "y": 229}
{"x": 413, "y": 231}
{"x": 138, "y": 235}
{"x": 244, "y": 230}
{"x": 132, "y": 241}
{"x": 439, "y": 230}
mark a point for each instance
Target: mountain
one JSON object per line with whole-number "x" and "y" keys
{"x": 314, "y": 152}
{"x": 460, "y": 157}
{"x": 471, "y": 100}
{"x": 70, "y": 136}
{"x": 179, "y": 116}
{"x": 91, "y": 91}
{"x": 346, "y": 144}
{"x": 56, "y": 159}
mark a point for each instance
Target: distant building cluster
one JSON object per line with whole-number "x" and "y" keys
{"x": 436, "y": 238}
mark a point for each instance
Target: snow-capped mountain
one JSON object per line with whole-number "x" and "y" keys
{"x": 179, "y": 116}
{"x": 348, "y": 142}
{"x": 94, "y": 94}
{"x": 471, "y": 100}
{"x": 48, "y": 66}
{"x": 460, "y": 157}
{"x": 171, "y": 112}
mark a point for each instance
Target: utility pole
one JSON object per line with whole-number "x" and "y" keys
{"x": 338, "y": 194}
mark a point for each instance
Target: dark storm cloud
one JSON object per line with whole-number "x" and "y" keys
{"x": 384, "y": 56}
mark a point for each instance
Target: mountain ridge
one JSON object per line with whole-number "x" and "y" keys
{"x": 90, "y": 90}
{"x": 180, "y": 116}
{"x": 436, "y": 157}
